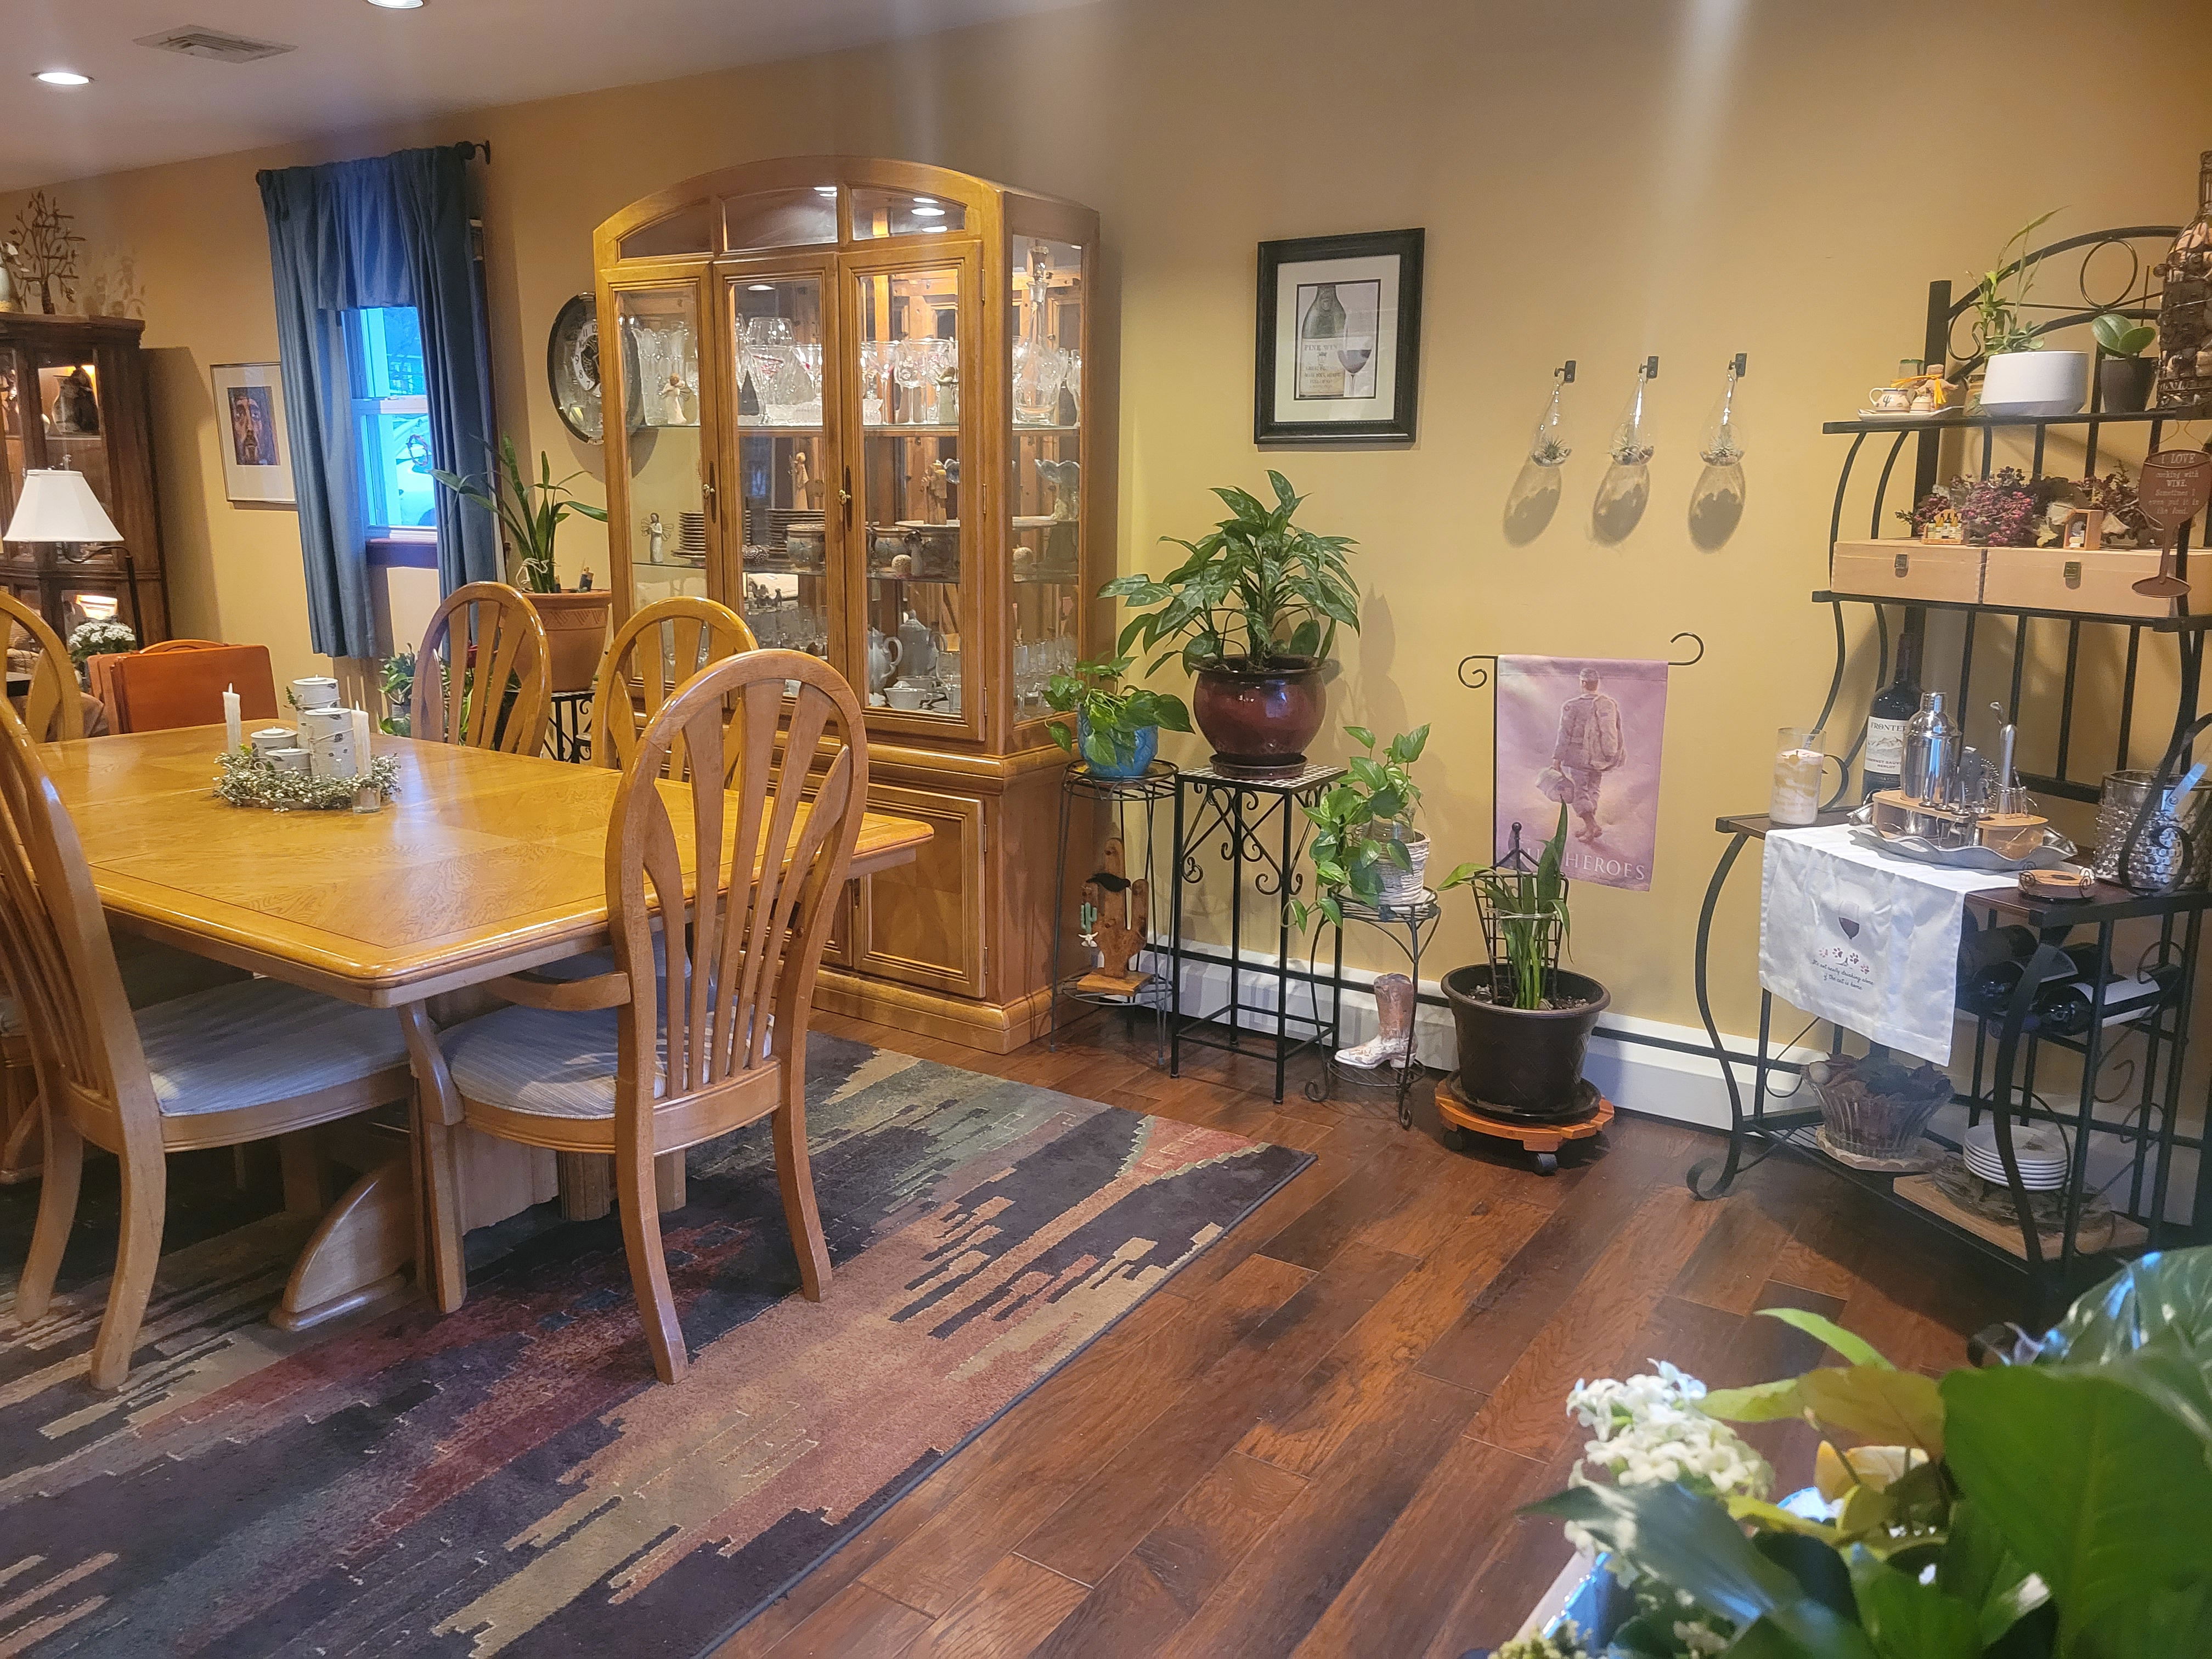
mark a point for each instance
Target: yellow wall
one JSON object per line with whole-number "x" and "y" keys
{"x": 1599, "y": 179}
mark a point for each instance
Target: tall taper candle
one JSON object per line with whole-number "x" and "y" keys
{"x": 233, "y": 733}
{"x": 360, "y": 743}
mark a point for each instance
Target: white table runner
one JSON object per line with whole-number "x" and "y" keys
{"x": 1867, "y": 941}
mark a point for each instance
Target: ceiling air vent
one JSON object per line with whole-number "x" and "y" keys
{"x": 196, "y": 41}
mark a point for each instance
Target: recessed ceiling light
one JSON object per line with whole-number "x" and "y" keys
{"x": 63, "y": 78}
{"x": 825, "y": 190}
{"x": 929, "y": 213}
{"x": 938, "y": 228}
{"x": 397, "y": 5}
{"x": 924, "y": 201}
{"x": 760, "y": 287}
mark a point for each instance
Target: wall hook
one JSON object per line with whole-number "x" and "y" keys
{"x": 1651, "y": 368}
{"x": 1566, "y": 372}
{"x": 1742, "y": 366}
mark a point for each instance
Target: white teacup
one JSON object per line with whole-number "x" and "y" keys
{"x": 904, "y": 695}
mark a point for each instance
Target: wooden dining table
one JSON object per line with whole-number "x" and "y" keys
{"x": 482, "y": 864}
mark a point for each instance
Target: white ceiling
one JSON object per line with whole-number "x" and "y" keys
{"x": 358, "y": 65}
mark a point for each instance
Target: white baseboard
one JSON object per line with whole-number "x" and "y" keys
{"x": 1635, "y": 1076}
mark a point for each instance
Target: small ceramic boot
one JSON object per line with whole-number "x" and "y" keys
{"x": 1394, "y": 1011}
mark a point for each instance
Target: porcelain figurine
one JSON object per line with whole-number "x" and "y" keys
{"x": 671, "y": 402}
{"x": 656, "y": 539}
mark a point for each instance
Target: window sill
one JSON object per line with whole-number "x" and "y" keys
{"x": 403, "y": 552}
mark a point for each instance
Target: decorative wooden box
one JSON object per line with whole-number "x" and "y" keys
{"x": 2096, "y": 581}
{"x": 1901, "y": 567}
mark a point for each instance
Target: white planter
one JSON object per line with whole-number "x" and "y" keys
{"x": 1404, "y": 886}
{"x": 2036, "y": 383}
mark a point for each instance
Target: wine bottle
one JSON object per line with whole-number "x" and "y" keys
{"x": 1321, "y": 332}
{"x": 1987, "y": 991}
{"x": 1881, "y": 764}
{"x": 2184, "y": 324}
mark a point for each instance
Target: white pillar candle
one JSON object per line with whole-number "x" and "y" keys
{"x": 360, "y": 743}
{"x": 233, "y": 732}
{"x": 1796, "y": 798}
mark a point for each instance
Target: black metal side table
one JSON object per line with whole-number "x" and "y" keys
{"x": 1264, "y": 833}
{"x": 568, "y": 729}
{"x": 1128, "y": 799}
{"x": 1409, "y": 926}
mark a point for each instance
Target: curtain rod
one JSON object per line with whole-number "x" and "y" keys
{"x": 469, "y": 147}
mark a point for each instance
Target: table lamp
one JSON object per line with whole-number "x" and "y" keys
{"x": 57, "y": 505}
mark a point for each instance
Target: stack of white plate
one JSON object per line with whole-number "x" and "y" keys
{"x": 2039, "y": 1148}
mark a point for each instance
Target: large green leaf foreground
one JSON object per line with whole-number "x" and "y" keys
{"x": 2057, "y": 1509}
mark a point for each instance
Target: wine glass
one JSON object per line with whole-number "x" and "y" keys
{"x": 1354, "y": 353}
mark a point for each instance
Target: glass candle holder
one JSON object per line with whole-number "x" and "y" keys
{"x": 1800, "y": 753}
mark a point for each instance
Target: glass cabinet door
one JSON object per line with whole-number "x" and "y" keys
{"x": 1044, "y": 457}
{"x": 911, "y": 343}
{"x": 670, "y": 496}
{"x": 787, "y": 542}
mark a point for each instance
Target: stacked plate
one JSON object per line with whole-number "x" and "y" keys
{"x": 2039, "y": 1148}
{"x": 694, "y": 543}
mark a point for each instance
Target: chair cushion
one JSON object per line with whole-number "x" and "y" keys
{"x": 249, "y": 1044}
{"x": 548, "y": 1063}
{"x": 151, "y": 973}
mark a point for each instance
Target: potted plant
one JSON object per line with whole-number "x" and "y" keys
{"x": 1256, "y": 605}
{"x": 2018, "y": 376}
{"x": 2050, "y": 1504}
{"x": 1523, "y": 1022}
{"x": 1117, "y": 733}
{"x": 1364, "y": 844}
{"x": 2124, "y": 375}
{"x": 98, "y": 639}
{"x": 530, "y": 517}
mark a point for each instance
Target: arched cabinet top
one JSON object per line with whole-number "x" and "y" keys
{"x": 823, "y": 202}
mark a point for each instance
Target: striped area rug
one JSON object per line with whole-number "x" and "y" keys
{"x": 510, "y": 1480}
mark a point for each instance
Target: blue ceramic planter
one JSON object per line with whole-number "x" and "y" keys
{"x": 1148, "y": 746}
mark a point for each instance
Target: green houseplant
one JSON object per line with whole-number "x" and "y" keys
{"x": 2052, "y": 1508}
{"x": 530, "y": 514}
{"x": 1117, "y": 733}
{"x": 1255, "y": 607}
{"x": 2018, "y": 376}
{"x": 1523, "y": 1022}
{"x": 2124, "y": 375}
{"x": 1364, "y": 844}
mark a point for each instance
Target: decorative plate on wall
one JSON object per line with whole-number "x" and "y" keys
{"x": 572, "y": 367}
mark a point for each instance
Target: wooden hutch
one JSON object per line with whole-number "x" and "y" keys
{"x": 862, "y": 402}
{"x": 73, "y": 394}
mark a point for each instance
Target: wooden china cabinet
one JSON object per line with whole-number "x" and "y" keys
{"x": 73, "y": 394}
{"x": 865, "y": 403}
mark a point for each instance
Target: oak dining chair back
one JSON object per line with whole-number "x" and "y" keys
{"x": 156, "y": 691}
{"x": 654, "y": 652}
{"x": 699, "y": 1026}
{"x": 484, "y": 640}
{"x": 233, "y": 1063}
{"x": 162, "y": 647}
{"x": 53, "y": 709}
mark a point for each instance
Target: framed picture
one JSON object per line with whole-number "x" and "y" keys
{"x": 257, "y": 451}
{"x": 1340, "y": 339}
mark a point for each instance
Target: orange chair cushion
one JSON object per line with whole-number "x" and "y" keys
{"x": 183, "y": 688}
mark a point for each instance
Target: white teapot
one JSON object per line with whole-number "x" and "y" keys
{"x": 917, "y": 653}
{"x": 882, "y": 659}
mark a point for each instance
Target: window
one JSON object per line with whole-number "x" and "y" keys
{"x": 391, "y": 419}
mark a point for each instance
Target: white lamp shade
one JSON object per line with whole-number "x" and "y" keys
{"x": 59, "y": 506}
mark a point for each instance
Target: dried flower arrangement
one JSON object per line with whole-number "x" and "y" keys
{"x": 1998, "y": 511}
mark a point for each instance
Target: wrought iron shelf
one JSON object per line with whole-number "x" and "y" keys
{"x": 2190, "y": 624}
{"x": 1984, "y": 421}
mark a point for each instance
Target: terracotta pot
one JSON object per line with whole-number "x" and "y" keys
{"x": 2125, "y": 384}
{"x": 1259, "y": 723}
{"x": 576, "y": 632}
{"x": 1522, "y": 1062}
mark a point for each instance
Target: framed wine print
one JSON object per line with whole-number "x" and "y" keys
{"x": 257, "y": 451}
{"x": 1340, "y": 339}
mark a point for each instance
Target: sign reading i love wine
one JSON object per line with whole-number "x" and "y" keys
{"x": 2176, "y": 484}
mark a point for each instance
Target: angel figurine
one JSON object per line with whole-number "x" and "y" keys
{"x": 672, "y": 401}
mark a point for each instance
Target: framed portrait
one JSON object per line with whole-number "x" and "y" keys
{"x": 1339, "y": 353}
{"x": 257, "y": 451}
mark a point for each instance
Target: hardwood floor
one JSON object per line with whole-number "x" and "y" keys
{"x": 1312, "y": 1440}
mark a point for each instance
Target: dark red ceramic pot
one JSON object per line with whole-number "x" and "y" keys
{"x": 1259, "y": 723}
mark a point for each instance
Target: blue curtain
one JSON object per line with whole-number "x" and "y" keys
{"x": 391, "y": 231}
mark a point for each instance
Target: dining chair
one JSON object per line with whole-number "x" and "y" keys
{"x": 654, "y": 652}
{"x": 154, "y": 691}
{"x": 485, "y": 633}
{"x": 53, "y": 707}
{"x": 658, "y": 1053}
{"x": 161, "y": 647}
{"x": 218, "y": 1067}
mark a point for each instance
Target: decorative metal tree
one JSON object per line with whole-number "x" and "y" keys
{"x": 44, "y": 250}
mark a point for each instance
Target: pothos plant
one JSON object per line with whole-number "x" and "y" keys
{"x": 1362, "y": 823}
{"x": 1260, "y": 594}
{"x": 530, "y": 514}
{"x": 1107, "y": 721}
{"x": 2051, "y": 1508}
